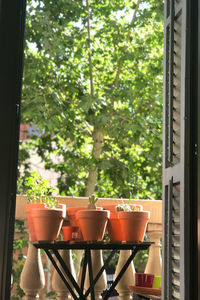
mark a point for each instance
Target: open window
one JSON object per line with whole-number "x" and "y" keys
{"x": 180, "y": 142}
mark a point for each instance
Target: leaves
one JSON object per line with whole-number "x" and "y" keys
{"x": 56, "y": 93}
{"x": 39, "y": 190}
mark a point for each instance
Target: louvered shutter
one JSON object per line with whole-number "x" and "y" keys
{"x": 177, "y": 154}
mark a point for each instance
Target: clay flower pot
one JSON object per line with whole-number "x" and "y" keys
{"x": 28, "y": 208}
{"x": 110, "y": 207}
{"x": 71, "y": 215}
{"x": 47, "y": 222}
{"x": 71, "y": 233}
{"x": 114, "y": 226}
{"x": 93, "y": 223}
{"x": 133, "y": 224}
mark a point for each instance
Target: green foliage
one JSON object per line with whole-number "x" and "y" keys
{"x": 20, "y": 243}
{"x": 140, "y": 260}
{"x": 51, "y": 295}
{"x": 23, "y": 166}
{"x": 57, "y": 97}
{"x": 39, "y": 190}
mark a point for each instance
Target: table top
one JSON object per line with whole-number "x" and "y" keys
{"x": 151, "y": 293}
{"x": 58, "y": 245}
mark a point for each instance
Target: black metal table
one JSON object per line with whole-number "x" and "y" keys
{"x": 65, "y": 274}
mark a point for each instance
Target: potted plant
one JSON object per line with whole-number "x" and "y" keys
{"x": 114, "y": 227}
{"x": 44, "y": 214}
{"x": 70, "y": 228}
{"x": 92, "y": 221}
{"x": 133, "y": 223}
{"x": 71, "y": 233}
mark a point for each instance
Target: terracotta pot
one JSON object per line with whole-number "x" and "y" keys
{"x": 133, "y": 224}
{"x": 28, "y": 208}
{"x": 92, "y": 223}
{"x": 47, "y": 223}
{"x": 114, "y": 226}
{"x": 110, "y": 207}
{"x": 71, "y": 233}
{"x": 71, "y": 214}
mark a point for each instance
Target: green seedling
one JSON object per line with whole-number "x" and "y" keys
{"x": 126, "y": 207}
{"x": 40, "y": 191}
{"x": 92, "y": 201}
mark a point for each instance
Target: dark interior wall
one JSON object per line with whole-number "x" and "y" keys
{"x": 12, "y": 16}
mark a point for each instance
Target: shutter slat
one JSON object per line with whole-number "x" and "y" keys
{"x": 175, "y": 266}
{"x": 176, "y": 240}
{"x": 176, "y": 228}
{"x": 175, "y": 294}
{"x": 176, "y": 279}
{"x": 175, "y": 251}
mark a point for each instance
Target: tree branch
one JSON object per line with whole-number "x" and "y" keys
{"x": 116, "y": 82}
{"x": 98, "y": 134}
{"x": 89, "y": 50}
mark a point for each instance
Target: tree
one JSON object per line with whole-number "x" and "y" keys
{"x": 93, "y": 81}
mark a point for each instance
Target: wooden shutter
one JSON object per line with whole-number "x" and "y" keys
{"x": 179, "y": 150}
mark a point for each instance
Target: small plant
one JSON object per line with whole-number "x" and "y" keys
{"x": 92, "y": 201}
{"x": 20, "y": 242}
{"x": 39, "y": 190}
{"x": 126, "y": 207}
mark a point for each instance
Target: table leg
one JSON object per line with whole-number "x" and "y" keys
{"x": 85, "y": 261}
{"x": 61, "y": 274}
{"x": 69, "y": 275}
{"x": 101, "y": 270}
{"x": 90, "y": 274}
{"x": 115, "y": 282}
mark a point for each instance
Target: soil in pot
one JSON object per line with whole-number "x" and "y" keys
{"x": 47, "y": 223}
{"x": 93, "y": 223}
{"x": 133, "y": 224}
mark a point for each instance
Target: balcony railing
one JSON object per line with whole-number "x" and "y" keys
{"x": 33, "y": 279}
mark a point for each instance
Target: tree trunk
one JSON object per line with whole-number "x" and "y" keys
{"x": 98, "y": 135}
{"x": 98, "y": 138}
